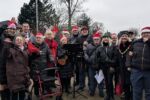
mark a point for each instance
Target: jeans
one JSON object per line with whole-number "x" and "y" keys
{"x": 82, "y": 72}
{"x": 93, "y": 83}
{"x": 140, "y": 81}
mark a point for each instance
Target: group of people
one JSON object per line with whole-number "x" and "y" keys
{"x": 123, "y": 59}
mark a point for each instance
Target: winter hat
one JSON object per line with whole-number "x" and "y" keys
{"x": 122, "y": 33}
{"x": 75, "y": 28}
{"x": 11, "y": 26}
{"x": 145, "y": 30}
{"x": 65, "y": 32}
{"x": 39, "y": 35}
{"x": 97, "y": 34}
{"x": 48, "y": 31}
{"x": 84, "y": 28}
{"x": 107, "y": 34}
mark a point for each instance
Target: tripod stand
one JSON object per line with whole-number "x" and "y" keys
{"x": 75, "y": 50}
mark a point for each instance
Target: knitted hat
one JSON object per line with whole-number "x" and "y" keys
{"x": 107, "y": 34}
{"x": 39, "y": 35}
{"x": 122, "y": 33}
{"x": 12, "y": 26}
{"x": 97, "y": 34}
{"x": 145, "y": 30}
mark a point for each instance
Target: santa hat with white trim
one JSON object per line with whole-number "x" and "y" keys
{"x": 145, "y": 30}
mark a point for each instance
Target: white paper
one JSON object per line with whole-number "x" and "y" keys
{"x": 99, "y": 77}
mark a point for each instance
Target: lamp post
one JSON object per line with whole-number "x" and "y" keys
{"x": 37, "y": 17}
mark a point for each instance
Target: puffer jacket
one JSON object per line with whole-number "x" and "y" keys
{"x": 141, "y": 55}
{"x": 17, "y": 70}
{"x": 40, "y": 60}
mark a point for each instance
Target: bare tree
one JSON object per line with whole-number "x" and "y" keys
{"x": 72, "y": 7}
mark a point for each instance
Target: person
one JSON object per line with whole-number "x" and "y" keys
{"x": 139, "y": 62}
{"x": 39, "y": 59}
{"x": 27, "y": 33}
{"x": 84, "y": 38}
{"x": 106, "y": 58}
{"x": 17, "y": 66}
{"x": 124, "y": 45}
{"x": 73, "y": 40}
{"x": 89, "y": 56}
{"x": 8, "y": 36}
{"x": 52, "y": 44}
{"x": 114, "y": 39}
{"x": 66, "y": 34}
{"x": 63, "y": 62}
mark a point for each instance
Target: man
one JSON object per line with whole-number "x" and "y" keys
{"x": 90, "y": 58}
{"x": 75, "y": 34}
{"x": 106, "y": 57}
{"x": 114, "y": 39}
{"x": 40, "y": 60}
{"x": 139, "y": 61}
{"x": 27, "y": 33}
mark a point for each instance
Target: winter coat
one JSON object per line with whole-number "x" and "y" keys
{"x": 17, "y": 70}
{"x": 66, "y": 69}
{"x": 40, "y": 60}
{"x": 90, "y": 56}
{"x": 141, "y": 55}
{"x": 122, "y": 52}
{"x": 82, "y": 38}
{"x": 3, "y": 59}
{"x": 73, "y": 39}
{"x": 106, "y": 56}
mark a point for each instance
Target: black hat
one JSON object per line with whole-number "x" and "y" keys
{"x": 122, "y": 33}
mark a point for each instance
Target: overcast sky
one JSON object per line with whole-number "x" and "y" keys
{"x": 115, "y": 14}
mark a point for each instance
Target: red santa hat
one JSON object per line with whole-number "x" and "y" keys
{"x": 75, "y": 28}
{"x": 145, "y": 30}
{"x": 39, "y": 35}
{"x": 97, "y": 35}
{"x": 11, "y": 26}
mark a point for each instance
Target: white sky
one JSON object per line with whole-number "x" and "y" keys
{"x": 115, "y": 14}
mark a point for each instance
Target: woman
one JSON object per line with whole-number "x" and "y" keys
{"x": 124, "y": 73}
{"x": 17, "y": 70}
{"x": 64, "y": 64}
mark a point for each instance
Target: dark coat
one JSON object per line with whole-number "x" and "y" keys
{"x": 141, "y": 55}
{"x": 122, "y": 52}
{"x": 73, "y": 39}
{"x": 65, "y": 70}
{"x": 17, "y": 70}
{"x": 40, "y": 60}
{"x": 3, "y": 58}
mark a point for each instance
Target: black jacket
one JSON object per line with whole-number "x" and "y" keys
{"x": 141, "y": 55}
{"x": 40, "y": 61}
{"x": 66, "y": 69}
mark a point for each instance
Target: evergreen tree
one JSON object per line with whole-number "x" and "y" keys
{"x": 47, "y": 15}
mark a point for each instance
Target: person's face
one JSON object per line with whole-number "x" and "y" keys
{"x": 11, "y": 30}
{"x": 114, "y": 38}
{"x": 124, "y": 38}
{"x": 105, "y": 39}
{"x": 132, "y": 36}
{"x": 49, "y": 36}
{"x": 19, "y": 41}
{"x": 84, "y": 31}
{"x": 39, "y": 39}
{"x": 74, "y": 32}
{"x": 96, "y": 40}
{"x": 64, "y": 40}
{"x": 25, "y": 27}
{"x": 146, "y": 35}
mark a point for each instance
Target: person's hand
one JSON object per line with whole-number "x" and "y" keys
{"x": 3, "y": 87}
{"x": 130, "y": 53}
{"x": 85, "y": 43}
{"x": 27, "y": 40}
{"x": 31, "y": 85}
{"x": 8, "y": 40}
{"x": 145, "y": 39}
{"x": 129, "y": 69}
